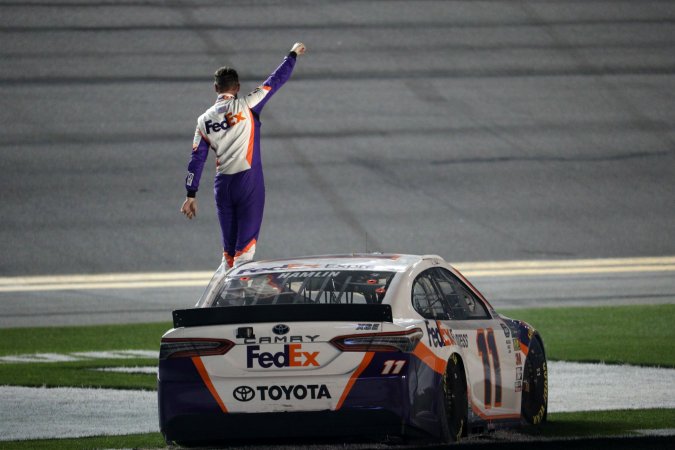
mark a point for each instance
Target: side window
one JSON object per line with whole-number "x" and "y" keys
{"x": 459, "y": 300}
{"x": 426, "y": 299}
{"x": 451, "y": 295}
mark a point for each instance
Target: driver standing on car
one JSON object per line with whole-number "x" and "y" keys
{"x": 231, "y": 128}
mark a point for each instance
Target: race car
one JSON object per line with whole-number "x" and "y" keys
{"x": 372, "y": 345}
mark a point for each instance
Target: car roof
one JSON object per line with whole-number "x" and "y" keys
{"x": 354, "y": 261}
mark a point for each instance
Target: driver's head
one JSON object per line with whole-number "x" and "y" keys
{"x": 226, "y": 79}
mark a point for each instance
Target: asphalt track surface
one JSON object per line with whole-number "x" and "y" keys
{"x": 479, "y": 131}
{"x": 150, "y": 297}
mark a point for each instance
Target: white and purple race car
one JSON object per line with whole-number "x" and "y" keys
{"x": 361, "y": 345}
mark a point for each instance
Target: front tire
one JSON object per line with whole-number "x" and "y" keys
{"x": 534, "y": 406}
{"x": 454, "y": 401}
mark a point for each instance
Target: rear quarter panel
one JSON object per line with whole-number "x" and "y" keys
{"x": 489, "y": 372}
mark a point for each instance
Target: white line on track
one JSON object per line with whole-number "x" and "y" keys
{"x": 470, "y": 269}
{"x": 600, "y": 387}
{"x": 137, "y": 369}
{"x": 41, "y": 413}
{"x": 77, "y": 356}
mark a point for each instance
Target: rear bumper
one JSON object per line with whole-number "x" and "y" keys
{"x": 375, "y": 406}
{"x": 208, "y": 428}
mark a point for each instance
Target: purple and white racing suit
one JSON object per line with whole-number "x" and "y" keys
{"x": 231, "y": 128}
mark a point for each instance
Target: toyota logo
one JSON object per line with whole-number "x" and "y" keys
{"x": 280, "y": 329}
{"x": 243, "y": 393}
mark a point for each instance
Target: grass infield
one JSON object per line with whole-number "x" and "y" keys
{"x": 605, "y": 423}
{"x": 16, "y": 341}
{"x": 640, "y": 335}
{"x": 149, "y": 440}
{"x": 79, "y": 374}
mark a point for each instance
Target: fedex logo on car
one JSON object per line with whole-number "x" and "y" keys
{"x": 438, "y": 335}
{"x": 291, "y": 356}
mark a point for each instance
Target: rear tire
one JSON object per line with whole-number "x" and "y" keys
{"x": 454, "y": 401}
{"x": 534, "y": 406}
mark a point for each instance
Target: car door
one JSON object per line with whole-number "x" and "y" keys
{"x": 487, "y": 349}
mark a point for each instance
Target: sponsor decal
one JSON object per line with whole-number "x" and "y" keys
{"x": 216, "y": 127}
{"x": 280, "y": 329}
{"x": 325, "y": 267}
{"x": 280, "y": 339}
{"x": 291, "y": 356}
{"x": 229, "y": 121}
{"x": 438, "y": 335}
{"x": 519, "y": 373}
{"x": 462, "y": 340}
{"x": 368, "y": 326}
{"x": 279, "y": 268}
{"x": 507, "y": 334}
{"x": 519, "y": 386}
{"x": 243, "y": 393}
{"x": 519, "y": 359}
{"x": 348, "y": 266}
{"x": 508, "y": 346}
{"x": 289, "y": 275}
{"x": 297, "y": 392}
{"x": 190, "y": 177}
{"x": 275, "y": 393}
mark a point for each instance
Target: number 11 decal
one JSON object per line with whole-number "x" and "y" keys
{"x": 392, "y": 367}
{"x": 488, "y": 348}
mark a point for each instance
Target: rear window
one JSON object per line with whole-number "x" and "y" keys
{"x": 319, "y": 287}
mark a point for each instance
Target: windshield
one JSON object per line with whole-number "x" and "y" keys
{"x": 319, "y": 287}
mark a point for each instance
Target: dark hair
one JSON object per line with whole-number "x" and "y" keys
{"x": 226, "y": 78}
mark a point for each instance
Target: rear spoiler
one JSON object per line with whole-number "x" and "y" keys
{"x": 199, "y": 317}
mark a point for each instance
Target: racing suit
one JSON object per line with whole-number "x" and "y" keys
{"x": 231, "y": 128}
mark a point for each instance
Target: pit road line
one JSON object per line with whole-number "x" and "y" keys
{"x": 470, "y": 269}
